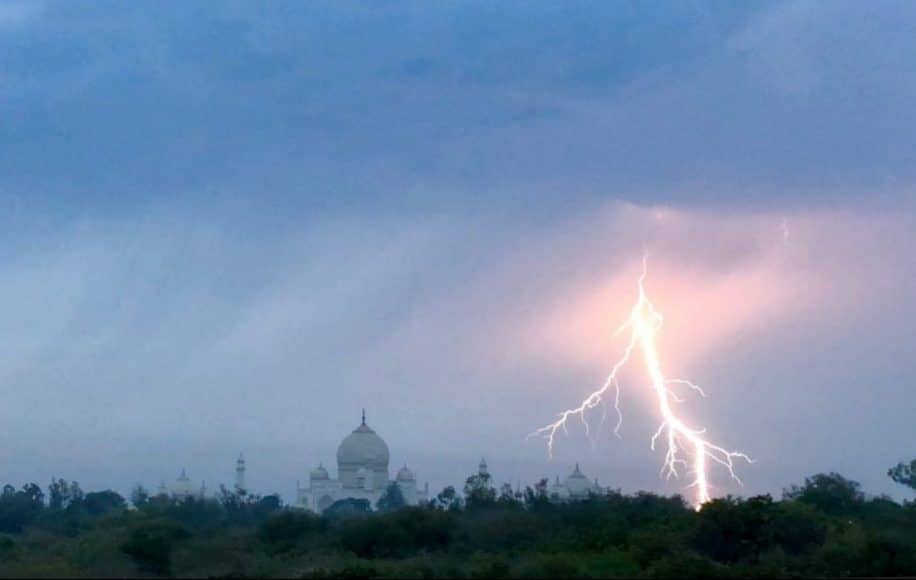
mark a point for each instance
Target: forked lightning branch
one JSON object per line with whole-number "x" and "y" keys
{"x": 686, "y": 448}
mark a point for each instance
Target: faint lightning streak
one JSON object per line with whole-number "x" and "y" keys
{"x": 644, "y": 323}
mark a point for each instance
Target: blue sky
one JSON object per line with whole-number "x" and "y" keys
{"x": 229, "y": 225}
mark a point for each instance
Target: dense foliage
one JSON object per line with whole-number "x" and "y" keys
{"x": 824, "y": 527}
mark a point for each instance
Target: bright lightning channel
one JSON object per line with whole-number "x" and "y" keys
{"x": 682, "y": 441}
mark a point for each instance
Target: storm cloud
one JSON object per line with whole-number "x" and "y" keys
{"x": 230, "y": 226}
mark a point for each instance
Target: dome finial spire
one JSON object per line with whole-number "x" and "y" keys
{"x": 364, "y": 415}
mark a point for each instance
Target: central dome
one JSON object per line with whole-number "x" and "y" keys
{"x": 362, "y": 459}
{"x": 364, "y": 448}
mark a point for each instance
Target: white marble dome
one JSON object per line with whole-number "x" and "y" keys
{"x": 362, "y": 473}
{"x": 577, "y": 484}
{"x": 405, "y": 474}
{"x": 363, "y": 448}
{"x": 319, "y": 473}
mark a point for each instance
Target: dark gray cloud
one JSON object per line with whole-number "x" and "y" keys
{"x": 789, "y": 103}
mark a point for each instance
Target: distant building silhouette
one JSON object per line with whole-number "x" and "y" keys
{"x": 240, "y": 486}
{"x": 362, "y": 473}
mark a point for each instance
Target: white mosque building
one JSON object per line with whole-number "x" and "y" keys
{"x": 362, "y": 473}
{"x": 183, "y": 488}
{"x": 575, "y": 487}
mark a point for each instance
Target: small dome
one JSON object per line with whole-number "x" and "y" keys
{"x": 319, "y": 473}
{"x": 577, "y": 473}
{"x": 577, "y": 483}
{"x": 182, "y": 485}
{"x": 363, "y": 447}
{"x": 405, "y": 474}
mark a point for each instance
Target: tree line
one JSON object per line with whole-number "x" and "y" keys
{"x": 825, "y": 526}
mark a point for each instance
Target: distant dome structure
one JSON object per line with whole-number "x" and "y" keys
{"x": 183, "y": 488}
{"x": 362, "y": 449}
{"x": 362, "y": 474}
{"x": 319, "y": 473}
{"x": 577, "y": 485}
{"x": 405, "y": 474}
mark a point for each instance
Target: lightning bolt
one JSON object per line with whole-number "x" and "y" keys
{"x": 682, "y": 442}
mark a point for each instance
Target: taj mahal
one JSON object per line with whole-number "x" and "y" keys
{"x": 362, "y": 473}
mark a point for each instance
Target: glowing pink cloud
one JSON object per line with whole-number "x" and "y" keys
{"x": 715, "y": 277}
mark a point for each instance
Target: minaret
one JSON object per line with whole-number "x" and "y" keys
{"x": 482, "y": 468}
{"x": 364, "y": 417}
{"x": 240, "y": 474}
{"x": 182, "y": 489}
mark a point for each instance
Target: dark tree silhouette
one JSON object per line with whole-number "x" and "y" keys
{"x": 478, "y": 491}
{"x": 829, "y": 492}
{"x": 392, "y": 498}
{"x": 150, "y": 545}
{"x": 348, "y": 508}
{"x": 904, "y": 474}
{"x": 448, "y": 499}
{"x": 824, "y": 527}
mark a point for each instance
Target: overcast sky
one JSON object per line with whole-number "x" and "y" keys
{"x": 230, "y": 226}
